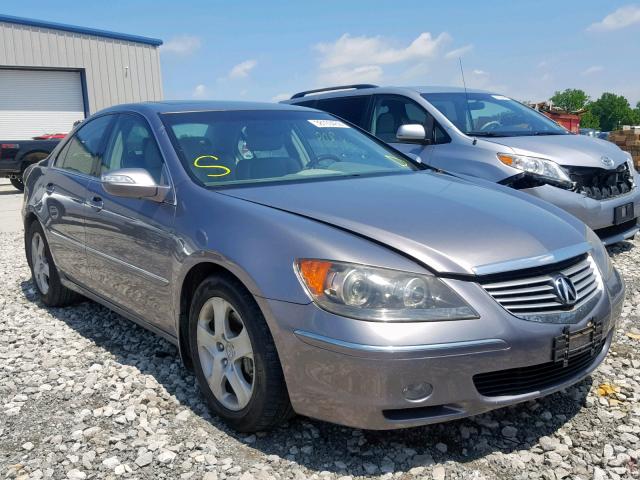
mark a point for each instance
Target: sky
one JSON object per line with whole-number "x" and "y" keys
{"x": 269, "y": 49}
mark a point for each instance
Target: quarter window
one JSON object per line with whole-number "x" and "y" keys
{"x": 83, "y": 151}
{"x": 132, "y": 145}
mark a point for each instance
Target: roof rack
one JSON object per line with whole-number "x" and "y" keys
{"x": 356, "y": 86}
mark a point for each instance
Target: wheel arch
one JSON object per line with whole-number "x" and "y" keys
{"x": 194, "y": 276}
{"x": 29, "y": 218}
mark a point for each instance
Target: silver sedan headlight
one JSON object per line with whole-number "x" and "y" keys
{"x": 380, "y": 294}
{"x": 536, "y": 166}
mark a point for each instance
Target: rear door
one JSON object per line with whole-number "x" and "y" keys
{"x": 65, "y": 196}
{"x": 130, "y": 241}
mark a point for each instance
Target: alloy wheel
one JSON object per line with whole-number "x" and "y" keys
{"x": 225, "y": 353}
{"x": 40, "y": 263}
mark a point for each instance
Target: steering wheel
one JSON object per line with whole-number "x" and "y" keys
{"x": 492, "y": 125}
{"x": 322, "y": 157}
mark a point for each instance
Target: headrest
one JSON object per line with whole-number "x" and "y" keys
{"x": 396, "y": 107}
{"x": 264, "y": 136}
{"x": 386, "y": 124}
{"x": 195, "y": 144}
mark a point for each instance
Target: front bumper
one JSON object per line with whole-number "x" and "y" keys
{"x": 355, "y": 373}
{"x": 597, "y": 214}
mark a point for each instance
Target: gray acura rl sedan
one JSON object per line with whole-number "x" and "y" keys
{"x": 301, "y": 265}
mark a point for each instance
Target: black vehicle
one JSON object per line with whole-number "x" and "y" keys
{"x": 17, "y": 155}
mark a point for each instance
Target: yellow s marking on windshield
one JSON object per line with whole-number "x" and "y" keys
{"x": 225, "y": 170}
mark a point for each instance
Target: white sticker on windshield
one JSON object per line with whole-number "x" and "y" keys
{"x": 500, "y": 97}
{"x": 328, "y": 124}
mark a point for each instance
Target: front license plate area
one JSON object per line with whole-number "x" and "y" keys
{"x": 570, "y": 344}
{"x": 623, "y": 213}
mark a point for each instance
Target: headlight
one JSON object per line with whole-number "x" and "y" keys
{"x": 632, "y": 168}
{"x": 536, "y": 166}
{"x": 380, "y": 294}
{"x": 629, "y": 158}
{"x": 600, "y": 254}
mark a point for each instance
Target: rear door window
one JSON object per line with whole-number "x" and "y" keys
{"x": 83, "y": 151}
{"x": 352, "y": 109}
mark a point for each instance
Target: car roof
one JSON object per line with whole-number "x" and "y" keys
{"x": 176, "y": 106}
{"x": 347, "y": 91}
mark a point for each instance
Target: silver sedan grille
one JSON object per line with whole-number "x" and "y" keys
{"x": 537, "y": 295}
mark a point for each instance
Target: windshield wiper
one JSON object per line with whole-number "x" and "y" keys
{"x": 485, "y": 134}
{"x": 548, "y": 133}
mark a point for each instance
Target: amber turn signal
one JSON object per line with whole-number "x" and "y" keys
{"x": 506, "y": 159}
{"x": 314, "y": 274}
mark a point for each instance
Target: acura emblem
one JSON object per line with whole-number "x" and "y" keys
{"x": 606, "y": 161}
{"x": 565, "y": 290}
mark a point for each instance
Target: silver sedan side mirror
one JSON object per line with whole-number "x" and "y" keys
{"x": 412, "y": 133}
{"x": 134, "y": 183}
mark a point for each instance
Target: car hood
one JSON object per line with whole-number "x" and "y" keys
{"x": 574, "y": 150}
{"x": 448, "y": 224}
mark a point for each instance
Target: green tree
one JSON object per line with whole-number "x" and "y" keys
{"x": 634, "y": 116}
{"x": 612, "y": 111}
{"x": 589, "y": 120}
{"x": 570, "y": 100}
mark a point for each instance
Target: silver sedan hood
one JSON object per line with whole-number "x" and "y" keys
{"x": 451, "y": 225}
{"x": 575, "y": 150}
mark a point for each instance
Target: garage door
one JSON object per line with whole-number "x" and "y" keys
{"x": 34, "y": 102}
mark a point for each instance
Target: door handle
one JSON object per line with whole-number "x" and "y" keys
{"x": 50, "y": 188}
{"x": 96, "y": 203}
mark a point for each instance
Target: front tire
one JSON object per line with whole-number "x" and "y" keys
{"x": 234, "y": 357}
{"x": 45, "y": 275}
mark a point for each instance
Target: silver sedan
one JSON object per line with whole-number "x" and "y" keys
{"x": 301, "y": 265}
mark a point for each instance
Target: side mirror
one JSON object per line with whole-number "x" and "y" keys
{"x": 412, "y": 133}
{"x": 133, "y": 183}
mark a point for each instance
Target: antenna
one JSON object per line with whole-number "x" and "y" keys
{"x": 466, "y": 94}
{"x": 464, "y": 84}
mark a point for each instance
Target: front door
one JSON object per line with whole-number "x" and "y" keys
{"x": 130, "y": 241}
{"x": 65, "y": 196}
{"x": 389, "y": 113}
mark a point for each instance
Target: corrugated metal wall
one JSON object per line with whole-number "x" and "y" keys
{"x": 117, "y": 71}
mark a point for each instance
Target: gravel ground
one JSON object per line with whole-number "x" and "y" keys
{"x": 87, "y": 394}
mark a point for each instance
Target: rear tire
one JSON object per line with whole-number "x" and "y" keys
{"x": 17, "y": 183}
{"x": 46, "y": 278}
{"x": 27, "y": 160}
{"x": 234, "y": 357}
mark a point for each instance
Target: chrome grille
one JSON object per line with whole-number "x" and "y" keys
{"x": 536, "y": 295}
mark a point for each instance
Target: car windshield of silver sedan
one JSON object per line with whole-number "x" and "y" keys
{"x": 491, "y": 115}
{"x": 238, "y": 147}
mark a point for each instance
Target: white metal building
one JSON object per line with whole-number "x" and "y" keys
{"x": 53, "y": 74}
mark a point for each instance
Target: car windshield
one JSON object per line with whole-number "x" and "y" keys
{"x": 490, "y": 115}
{"x": 238, "y": 147}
